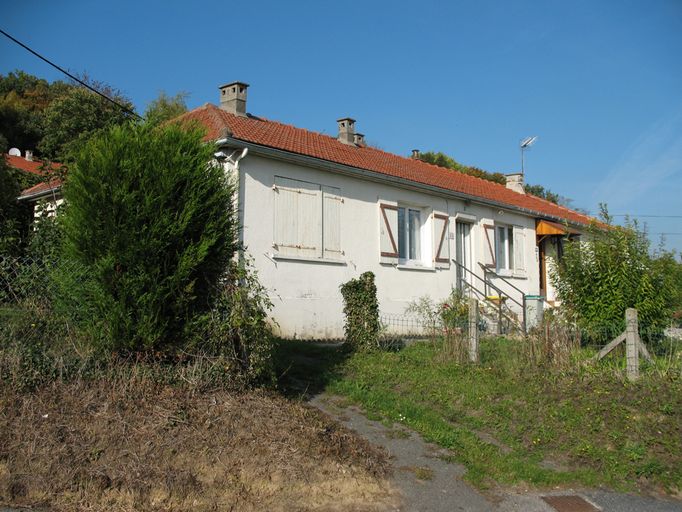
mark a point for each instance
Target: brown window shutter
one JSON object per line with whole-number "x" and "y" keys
{"x": 441, "y": 244}
{"x": 489, "y": 246}
{"x": 388, "y": 242}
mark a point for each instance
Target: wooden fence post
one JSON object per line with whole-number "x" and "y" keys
{"x": 632, "y": 343}
{"x": 473, "y": 330}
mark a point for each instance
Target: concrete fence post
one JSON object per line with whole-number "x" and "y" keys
{"x": 473, "y": 330}
{"x": 632, "y": 343}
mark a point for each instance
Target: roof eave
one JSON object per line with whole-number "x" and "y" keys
{"x": 38, "y": 195}
{"x": 310, "y": 161}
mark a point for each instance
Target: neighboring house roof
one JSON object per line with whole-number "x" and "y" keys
{"x": 288, "y": 138}
{"x": 30, "y": 166}
{"x": 34, "y": 167}
{"x": 41, "y": 189}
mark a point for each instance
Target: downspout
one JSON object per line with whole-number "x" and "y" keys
{"x": 232, "y": 161}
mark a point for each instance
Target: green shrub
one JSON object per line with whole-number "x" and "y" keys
{"x": 151, "y": 222}
{"x": 361, "y": 309}
{"x": 445, "y": 316}
{"x": 237, "y": 329}
{"x": 612, "y": 270}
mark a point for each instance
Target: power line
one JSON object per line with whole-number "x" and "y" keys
{"x": 72, "y": 77}
{"x": 649, "y": 216}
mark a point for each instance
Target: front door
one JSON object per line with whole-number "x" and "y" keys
{"x": 463, "y": 254}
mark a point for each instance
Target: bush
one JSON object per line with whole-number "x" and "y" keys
{"x": 598, "y": 279}
{"x": 444, "y": 317}
{"x": 361, "y": 308}
{"x": 236, "y": 329}
{"x": 151, "y": 221}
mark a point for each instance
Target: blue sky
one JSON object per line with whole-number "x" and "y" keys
{"x": 599, "y": 82}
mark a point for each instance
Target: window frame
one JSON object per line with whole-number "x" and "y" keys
{"x": 422, "y": 233}
{"x": 507, "y": 250}
{"x": 408, "y": 234}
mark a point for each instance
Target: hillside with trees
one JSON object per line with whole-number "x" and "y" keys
{"x": 442, "y": 160}
{"x": 55, "y": 119}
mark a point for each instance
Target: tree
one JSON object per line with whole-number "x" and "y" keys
{"x": 151, "y": 221}
{"x": 165, "y": 108}
{"x": 443, "y": 160}
{"x": 54, "y": 118}
{"x": 76, "y": 116}
{"x": 599, "y": 278}
{"x": 15, "y": 217}
{"x": 542, "y": 192}
{"x": 23, "y": 99}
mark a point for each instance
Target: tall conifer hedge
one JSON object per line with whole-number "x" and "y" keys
{"x": 152, "y": 222}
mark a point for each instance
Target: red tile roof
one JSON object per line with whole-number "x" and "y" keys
{"x": 54, "y": 184}
{"x": 284, "y": 137}
{"x": 33, "y": 167}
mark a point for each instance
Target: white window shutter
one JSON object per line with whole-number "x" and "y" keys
{"x": 489, "y": 246}
{"x": 298, "y": 218}
{"x": 519, "y": 250}
{"x": 441, "y": 242}
{"x": 331, "y": 222}
{"x": 388, "y": 233}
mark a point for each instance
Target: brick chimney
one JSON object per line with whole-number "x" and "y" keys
{"x": 29, "y": 155}
{"x": 346, "y": 130}
{"x": 515, "y": 182}
{"x": 359, "y": 139}
{"x": 233, "y": 98}
{"x": 415, "y": 154}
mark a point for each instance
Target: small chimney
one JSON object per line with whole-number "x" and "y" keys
{"x": 416, "y": 154}
{"x": 515, "y": 182}
{"x": 233, "y": 98}
{"x": 346, "y": 130}
{"x": 359, "y": 139}
{"x": 29, "y": 155}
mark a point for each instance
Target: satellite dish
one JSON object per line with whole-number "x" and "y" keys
{"x": 528, "y": 141}
{"x": 14, "y": 152}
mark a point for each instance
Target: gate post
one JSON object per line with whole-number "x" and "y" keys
{"x": 632, "y": 343}
{"x": 473, "y": 330}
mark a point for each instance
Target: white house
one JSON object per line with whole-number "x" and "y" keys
{"x": 317, "y": 211}
{"x": 45, "y": 196}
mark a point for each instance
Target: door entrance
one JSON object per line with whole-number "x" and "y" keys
{"x": 463, "y": 254}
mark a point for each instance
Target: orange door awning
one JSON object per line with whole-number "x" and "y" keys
{"x": 545, "y": 227}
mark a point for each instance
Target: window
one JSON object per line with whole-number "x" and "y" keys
{"x": 413, "y": 236}
{"x": 409, "y": 236}
{"x": 307, "y": 219}
{"x": 504, "y": 248}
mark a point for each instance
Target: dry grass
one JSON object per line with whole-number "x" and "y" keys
{"x": 134, "y": 445}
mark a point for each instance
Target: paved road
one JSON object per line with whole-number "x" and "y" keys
{"x": 429, "y": 484}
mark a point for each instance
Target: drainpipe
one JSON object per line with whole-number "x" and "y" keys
{"x": 232, "y": 159}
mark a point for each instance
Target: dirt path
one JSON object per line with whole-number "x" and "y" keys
{"x": 429, "y": 484}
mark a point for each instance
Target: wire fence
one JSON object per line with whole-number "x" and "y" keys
{"x": 30, "y": 302}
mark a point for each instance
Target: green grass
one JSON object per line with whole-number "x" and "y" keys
{"x": 509, "y": 424}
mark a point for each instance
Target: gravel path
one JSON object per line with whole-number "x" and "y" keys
{"x": 429, "y": 484}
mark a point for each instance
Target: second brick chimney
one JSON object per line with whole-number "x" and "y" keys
{"x": 515, "y": 182}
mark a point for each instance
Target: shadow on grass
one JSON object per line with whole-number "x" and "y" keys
{"x": 304, "y": 368}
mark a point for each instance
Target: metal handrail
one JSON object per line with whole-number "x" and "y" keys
{"x": 485, "y": 282}
{"x": 521, "y": 304}
{"x": 499, "y": 292}
{"x": 488, "y": 269}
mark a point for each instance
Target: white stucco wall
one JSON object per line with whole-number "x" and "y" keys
{"x": 306, "y": 296}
